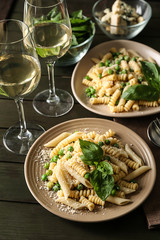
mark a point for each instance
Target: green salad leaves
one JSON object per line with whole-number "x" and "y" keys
{"x": 102, "y": 177}
{"x": 82, "y": 27}
{"x": 150, "y": 92}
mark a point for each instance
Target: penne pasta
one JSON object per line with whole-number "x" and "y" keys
{"x": 137, "y": 173}
{"x": 71, "y": 203}
{"x": 56, "y": 140}
{"x": 118, "y": 200}
{"x": 133, "y": 155}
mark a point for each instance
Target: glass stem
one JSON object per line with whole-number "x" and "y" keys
{"x": 53, "y": 98}
{"x": 24, "y": 133}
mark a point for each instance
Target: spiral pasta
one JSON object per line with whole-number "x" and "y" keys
{"x": 113, "y": 74}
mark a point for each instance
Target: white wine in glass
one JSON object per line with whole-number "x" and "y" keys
{"x": 19, "y": 75}
{"x": 49, "y": 23}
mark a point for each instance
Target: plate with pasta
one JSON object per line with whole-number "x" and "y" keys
{"x": 112, "y": 79}
{"x": 90, "y": 170}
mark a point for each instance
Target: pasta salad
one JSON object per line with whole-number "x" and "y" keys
{"x": 123, "y": 80}
{"x": 87, "y": 169}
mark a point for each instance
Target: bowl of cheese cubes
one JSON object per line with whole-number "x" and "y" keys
{"x": 121, "y": 19}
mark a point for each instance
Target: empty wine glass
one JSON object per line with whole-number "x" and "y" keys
{"x": 49, "y": 23}
{"x": 19, "y": 75}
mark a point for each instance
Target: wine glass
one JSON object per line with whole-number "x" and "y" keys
{"x": 49, "y": 23}
{"x": 19, "y": 75}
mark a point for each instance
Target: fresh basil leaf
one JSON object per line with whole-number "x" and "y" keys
{"x": 91, "y": 152}
{"x": 102, "y": 183}
{"x": 105, "y": 168}
{"x": 151, "y": 72}
{"x": 141, "y": 92}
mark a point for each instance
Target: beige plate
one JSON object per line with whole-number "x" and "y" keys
{"x": 34, "y": 169}
{"x": 85, "y": 64}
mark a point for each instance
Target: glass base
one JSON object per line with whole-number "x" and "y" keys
{"x": 15, "y": 144}
{"x": 58, "y": 108}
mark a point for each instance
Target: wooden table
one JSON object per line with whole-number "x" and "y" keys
{"x": 21, "y": 217}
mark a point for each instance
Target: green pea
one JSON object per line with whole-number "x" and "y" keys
{"x": 46, "y": 165}
{"x": 107, "y": 141}
{"x": 55, "y": 158}
{"x": 87, "y": 175}
{"x": 117, "y": 67}
{"x": 106, "y": 157}
{"x": 134, "y": 59}
{"x": 100, "y": 75}
{"x": 70, "y": 149}
{"x": 80, "y": 187}
{"x": 69, "y": 156}
{"x": 126, "y": 58}
{"x": 101, "y": 64}
{"x": 111, "y": 64}
{"x": 121, "y": 57}
{"x": 124, "y": 71}
{"x": 113, "y": 192}
{"x": 118, "y": 61}
{"x": 93, "y": 96}
{"x": 116, "y": 145}
{"x": 50, "y": 185}
{"x": 87, "y": 77}
{"x": 49, "y": 172}
{"x": 56, "y": 187}
{"x": 87, "y": 90}
{"x": 93, "y": 91}
{"x": 100, "y": 143}
{"x": 107, "y": 62}
{"x": 61, "y": 152}
{"x": 44, "y": 177}
{"x": 110, "y": 71}
{"x": 89, "y": 94}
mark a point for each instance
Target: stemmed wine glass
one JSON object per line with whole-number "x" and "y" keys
{"x": 19, "y": 75}
{"x": 49, "y": 23}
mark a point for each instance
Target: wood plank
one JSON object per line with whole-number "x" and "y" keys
{"x": 9, "y": 116}
{"x": 13, "y": 187}
{"x": 31, "y": 221}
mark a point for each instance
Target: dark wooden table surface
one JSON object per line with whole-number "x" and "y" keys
{"x": 21, "y": 217}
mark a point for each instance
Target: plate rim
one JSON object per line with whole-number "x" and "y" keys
{"x": 110, "y": 114}
{"x": 69, "y": 217}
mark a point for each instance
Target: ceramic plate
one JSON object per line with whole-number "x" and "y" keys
{"x": 34, "y": 168}
{"x": 85, "y": 64}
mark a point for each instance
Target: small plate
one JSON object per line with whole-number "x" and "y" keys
{"x": 85, "y": 64}
{"x": 34, "y": 170}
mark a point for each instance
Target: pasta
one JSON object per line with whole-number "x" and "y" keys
{"x": 112, "y": 75}
{"x": 72, "y": 174}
